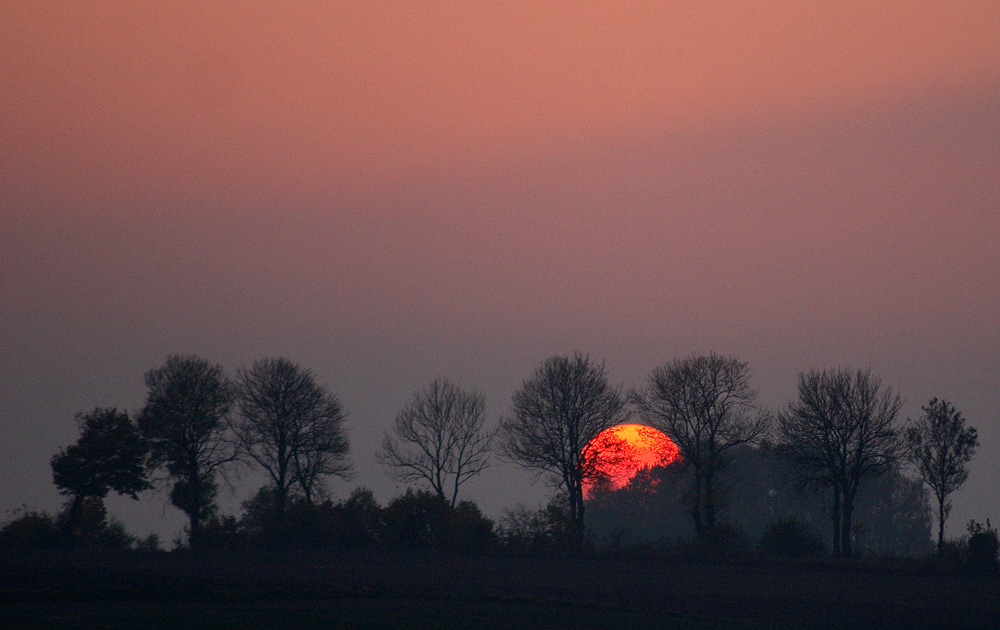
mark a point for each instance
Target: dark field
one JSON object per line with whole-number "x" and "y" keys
{"x": 428, "y": 590}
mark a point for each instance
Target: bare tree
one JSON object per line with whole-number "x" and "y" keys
{"x": 439, "y": 438}
{"x": 185, "y": 422}
{"x": 940, "y": 447}
{"x": 325, "y": 449}
{"x": 840, "y": 431}
{"x": 706, "y": 406}
{"x": 555, "y": 415}
{"x": 290, "y": 426}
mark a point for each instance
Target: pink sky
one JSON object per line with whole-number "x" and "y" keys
{"x": 388, "y": 193}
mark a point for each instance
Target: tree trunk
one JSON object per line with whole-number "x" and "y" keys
{"x": 940, "y": 544}
{"x": 845, "y": 536}
{"x": 72, "y": 515}
{"x": 710, "y": 503}
{"x": 194, "y": 529}
{"x": 576, "y": 511}
{"x": 699, "y": 527}
{"x": 280, "y": 499}
{"x": 835, "y": 515}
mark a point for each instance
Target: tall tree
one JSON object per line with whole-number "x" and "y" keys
{"x": 705, "y": 404}
{"x": 290, "y": 426}
{"x": 185, "y": 421}
{"x": 940, "y": 447}
{"x": 440, "y": 438}
{"x": 109, "y": 455}
{"x": 841, "y": 431}
{"x": 554, "y": 417}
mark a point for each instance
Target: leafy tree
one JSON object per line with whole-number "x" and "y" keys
{"x": 289, "y": 426}
{"x": 940, "y": 447}
{"x": 110, "y": 454}
{"x": 440, "y": 438}
{"x": 841, "y": 431}
{"x": 705, "y": 404}
{"x": 554, "y": 417}
{"x": 185, "y": 421}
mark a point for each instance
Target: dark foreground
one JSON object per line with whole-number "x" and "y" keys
{"x": 426, "y": 590}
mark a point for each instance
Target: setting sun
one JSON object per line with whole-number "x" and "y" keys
{"x": 623, "y": 450}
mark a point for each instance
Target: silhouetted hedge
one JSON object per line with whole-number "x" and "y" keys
{"x": 791, "y": 538}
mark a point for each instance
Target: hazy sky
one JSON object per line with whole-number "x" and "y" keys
{"x": 391, "y": 192}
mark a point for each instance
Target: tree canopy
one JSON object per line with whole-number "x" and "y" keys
{"x": 554, "y": 416}
{"x": 705, "y": 404}
{"x": 110, "y": 454}
{"x": 841, "y": 431}
{"x": 940, "y": 447}
{"x": 185, "y": 421}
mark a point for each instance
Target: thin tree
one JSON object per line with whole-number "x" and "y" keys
{"x": 940, "y": 447}
{"x": 110, "y": 454}
{"x": 841, "y": 431}
{"x": 554, "y": 416}
{"x": 439, "y": 438}
{"x": 323, "y": 450}
{"x": 705, "y": 404}
{"x": 185, "y": 421}
{"x": 289, "y": 426}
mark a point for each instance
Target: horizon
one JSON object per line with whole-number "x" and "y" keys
{"x": 389, "y": 194}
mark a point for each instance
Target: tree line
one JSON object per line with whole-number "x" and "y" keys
{"x": 840, "y": 434}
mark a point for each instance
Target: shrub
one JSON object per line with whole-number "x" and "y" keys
{"x": 724, "y": 540}
{"x": 791, "y": 538}
{"x": 471, "y": 531}
{"x": 982, "y": 548}
{"x": 357, "y": 523}
{"x": 416, "y": 520}
{"x": 33, "y": 530}
{"x": 547, "y": 529}
{"x": 219, "y": 533}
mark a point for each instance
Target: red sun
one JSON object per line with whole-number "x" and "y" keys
{"x": 625, "y": 449}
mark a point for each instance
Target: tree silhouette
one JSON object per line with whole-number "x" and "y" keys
{"x": 554, "y": 417}
{"x": 706, "y": 406}
{"x": 109, "y": 455}
{"x": 185, "y": 423}
{"x": 439, "y": 438}
{"x": 940, "y": 447}
{"x": 840, "y": 431}
{"x": 289, "y": 426}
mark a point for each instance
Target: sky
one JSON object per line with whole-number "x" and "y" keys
{"x": 386, "y": 193}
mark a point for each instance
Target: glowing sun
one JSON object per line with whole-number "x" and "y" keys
{"x": 623, "y": 450}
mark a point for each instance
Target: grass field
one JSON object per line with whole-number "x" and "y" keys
{"x": 427, "y": 590}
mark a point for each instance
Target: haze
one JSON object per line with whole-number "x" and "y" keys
{"x": 386, "y": 193}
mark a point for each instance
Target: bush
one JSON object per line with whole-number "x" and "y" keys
{"x": 357, "y": 523}
{"x": 982, "y": 548}
{"x": 546, "y": 530}
{"x": 471, "y": 531}
{"x": 724, "y": 540}
{"x": 219, "y": 533}
{"x": 791, "y": 538}
{"x": 33, "y": 530}
{"x": 149, "y": 544}
{"x": 425, "y": 520}
{"x": 415, "y": 520}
